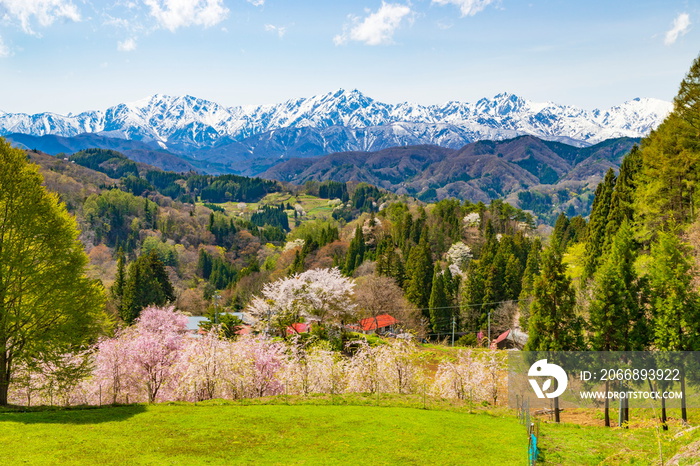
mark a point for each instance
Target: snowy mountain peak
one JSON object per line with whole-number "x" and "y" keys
{"x": 187, "y": 123}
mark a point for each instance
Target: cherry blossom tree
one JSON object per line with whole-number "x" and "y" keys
{"x": 389, "y": 368}
{"x": 463, "y": 379}
{"x": 200, "y": 367}
{"x": 155, "y": 346}
{"x": 324, "y": 294}
{"x": 253, "y": 368}
{"x": 314, "y": 370}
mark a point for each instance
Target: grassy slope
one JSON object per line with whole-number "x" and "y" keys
{"x": 259, "y": 434}
{"x": 322, "y": 429}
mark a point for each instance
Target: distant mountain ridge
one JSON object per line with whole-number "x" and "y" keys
{"x": 216, "y": 138}
{"x": 481, "y": 171}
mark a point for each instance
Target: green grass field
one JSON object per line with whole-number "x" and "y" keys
{"x": 259, "y": 434}
{"x": 315, "y": 207}
{"x": 322, "y": 429}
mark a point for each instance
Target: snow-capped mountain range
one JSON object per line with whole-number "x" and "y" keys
{"x": 338, "y": 121}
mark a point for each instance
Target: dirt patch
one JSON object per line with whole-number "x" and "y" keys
{"x": 687, "y": 455}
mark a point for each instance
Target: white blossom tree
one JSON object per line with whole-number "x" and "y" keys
{"x": 323, "y": 294}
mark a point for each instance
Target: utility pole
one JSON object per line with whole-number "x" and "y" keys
{"x": 489, "y": 328}
{"x": 453, "y": 330}
{"x": 217, "y": 297}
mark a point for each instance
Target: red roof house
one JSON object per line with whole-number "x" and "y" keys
{"x": 298, "y": 328}
{"x": 383, "y": 322}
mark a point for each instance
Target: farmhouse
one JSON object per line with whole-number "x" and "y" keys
{"x": 380, "y": 324}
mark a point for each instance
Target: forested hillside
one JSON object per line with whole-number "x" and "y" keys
{"x": 542, "y": 176}
{"x": 230, "y": 235}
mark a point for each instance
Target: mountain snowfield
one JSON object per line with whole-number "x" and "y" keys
{"x": 340, "y": 121}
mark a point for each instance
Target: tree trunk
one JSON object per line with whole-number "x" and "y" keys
{"x": 556, "y": 410}
{"x": 664, "y": 425}
{"x": 4, "y": 377}
{"x": 684, "y": 411}
{"x": 607, "y": 404}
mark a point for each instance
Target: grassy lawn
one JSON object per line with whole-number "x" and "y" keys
{"x": 323, "y": 429}
{"x": 235, "y": 433}
{"x": 315, "y": 207}
{"x": 571, "y": 444}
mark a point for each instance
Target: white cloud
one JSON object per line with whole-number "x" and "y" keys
{"x": 377, "y": 28}
{"x": 467, "y": 7}
{"x": 257, "y": 2}
{"x": 127, "y": 45}
{"x": 173, "y": 14}
{"x": 681, "y": 25}
{"x": 43, "y": 11}
{"x": 280, "y": 30}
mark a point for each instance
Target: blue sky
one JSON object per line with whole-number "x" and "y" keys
{"x": 74, "y": 55}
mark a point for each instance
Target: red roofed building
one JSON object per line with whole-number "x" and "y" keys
{"x": 510, "y": 339}
{"x": 384, "y": 322}
{"x": 298, "y": 328}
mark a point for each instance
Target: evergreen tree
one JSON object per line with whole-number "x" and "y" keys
{"x": 117, "y": 289}
{"x": 204, "y": 264}
{"x": 298, "y": 264}
{"x": 473, "y": 297}
{"x": 147, "y": 284}
{"x": 356, "y": 252}
{"x": 674, "y": 303}
{"x": 440, "y": 312}
{"x": 687, "y": 103}
{"x": 419, "y": 277}
{"x": 616, "y": 316}
{"x": 512, "y": 280}
{"x": 532, "y": 270}
{"x": 561, "y": 229}
{"x": 616, "y": 319}
{"x": 553, "y": 324}
{"x": 597, "y": 224}
{"x": 670, "y": 171}
{"x": 622, "y": 200}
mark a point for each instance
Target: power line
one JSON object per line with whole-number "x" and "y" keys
{"x": 447, "y": 307}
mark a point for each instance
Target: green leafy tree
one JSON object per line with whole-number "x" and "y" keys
{"x": 559, "y": 235}
{"x": 48, "y": 307}
{"x": 228, "y": 324}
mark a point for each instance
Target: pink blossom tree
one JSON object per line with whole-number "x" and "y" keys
{"x": 253, "y": 368}
{"x": 154, "y": 345}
